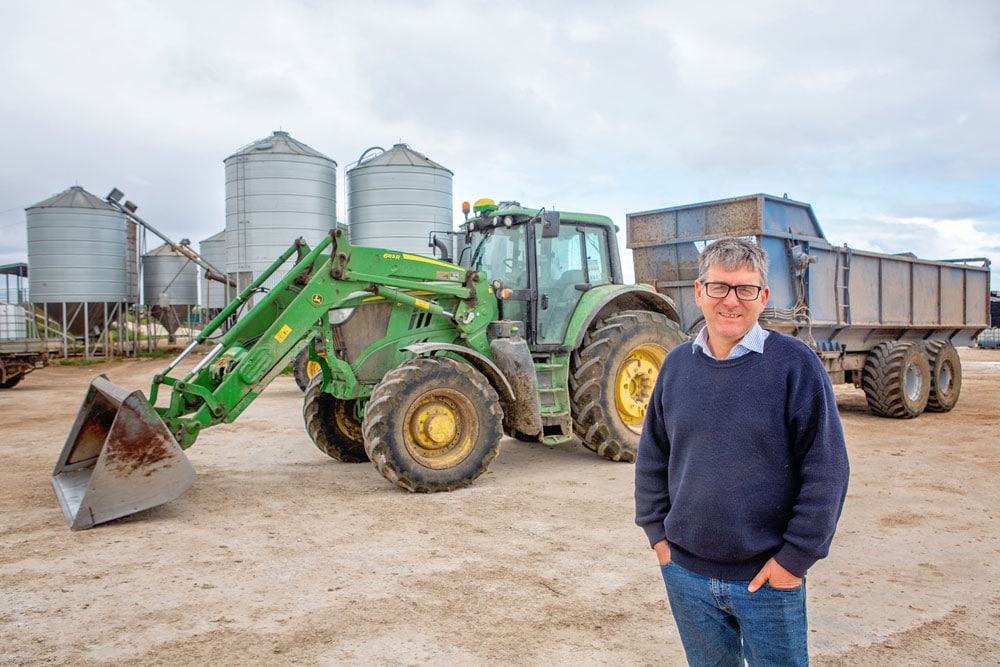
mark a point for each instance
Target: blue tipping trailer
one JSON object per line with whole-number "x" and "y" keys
{"x": 886, "y": 323}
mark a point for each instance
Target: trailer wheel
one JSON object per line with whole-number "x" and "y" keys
{"x": 946, "y": 375}
{"x": 304, "y": 369}
{"x": 11, "y": 381}
{"x": 612, "y": 376}
{"x": 433, "y": 424}
{"x": 333, "y": 424}
{"x": 897, "y": 379}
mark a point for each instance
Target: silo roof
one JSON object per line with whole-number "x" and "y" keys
{"x": 403, "y": 156}
{"x": 220, "y": 236}
{"x": 165, "y": 249}
{"x": 280, "y": 142}
{"x": 74, "y": 197}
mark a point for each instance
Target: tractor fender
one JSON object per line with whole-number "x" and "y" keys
{"x": 480, "y": 362}
{"x": 607, "y": 300}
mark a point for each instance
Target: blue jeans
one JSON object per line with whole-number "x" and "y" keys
{"x": 721, "y": 623}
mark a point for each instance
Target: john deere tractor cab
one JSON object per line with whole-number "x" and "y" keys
{"x": 540, "y": 264}
{"x": 421, "y": 364}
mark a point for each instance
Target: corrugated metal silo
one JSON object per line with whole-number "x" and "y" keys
{"x": 396, "y": 198}
{"x": 277, "y": 189}
{"x": 214, "y": 295}
{"x": 81, "y": 253}
{"x": 169, "y": 287}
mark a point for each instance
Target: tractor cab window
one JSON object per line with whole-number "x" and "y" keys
{"x": 595, "y": 243}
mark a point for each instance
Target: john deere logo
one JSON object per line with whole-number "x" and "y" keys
{"x": 317, "y": 299}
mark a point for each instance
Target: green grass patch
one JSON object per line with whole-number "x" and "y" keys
{"x": 84, "y": 361}
{"x": 157, "y": 354}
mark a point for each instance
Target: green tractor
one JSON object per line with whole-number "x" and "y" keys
{"x": 416, "y": 364}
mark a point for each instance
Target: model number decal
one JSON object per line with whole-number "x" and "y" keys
{"x": 391, "y": 255}
{"x": 282, "y": 333}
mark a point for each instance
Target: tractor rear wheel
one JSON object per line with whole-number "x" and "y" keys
{"x": 946, "y": 375}
{"x": 897, "y": 379}
{"x": 304, "y": 369}
{"x": 612, "y": 377}
{"x": 432, "y": 424}
{"x": 11, "y": 381}
{"x": 333, "y": 424}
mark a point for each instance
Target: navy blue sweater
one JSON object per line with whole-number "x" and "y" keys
{"x": 741, "y": 460}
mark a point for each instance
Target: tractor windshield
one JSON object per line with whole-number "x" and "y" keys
{"x": 502, "y": 253}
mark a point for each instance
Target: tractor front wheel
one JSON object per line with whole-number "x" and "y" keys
{"x": 432, "y": 424}
{"x": 333, "y": 424}
{"x": 612, "y": 377}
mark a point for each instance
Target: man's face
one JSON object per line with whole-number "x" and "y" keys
{"x": 729, "y": 319}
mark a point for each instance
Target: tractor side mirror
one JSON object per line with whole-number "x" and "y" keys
{"x": 550, "y": 224}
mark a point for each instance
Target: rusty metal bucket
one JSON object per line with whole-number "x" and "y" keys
{"x": 119, "y": 459}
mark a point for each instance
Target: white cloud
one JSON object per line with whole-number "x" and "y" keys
{"x": 877, "y": 114}
{"x": 929, "y": 238}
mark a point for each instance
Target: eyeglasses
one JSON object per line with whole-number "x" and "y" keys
{"x": 743, "y": 292}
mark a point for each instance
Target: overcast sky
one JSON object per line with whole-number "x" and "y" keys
{"x": 885, "y": 116}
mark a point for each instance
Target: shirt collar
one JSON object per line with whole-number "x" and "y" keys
{"x": 753, "y": 341}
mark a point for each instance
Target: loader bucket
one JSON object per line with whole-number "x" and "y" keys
{"x": 119, "y": 459}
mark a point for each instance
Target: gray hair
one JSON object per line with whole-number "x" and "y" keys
{"x": 733, "y": 254}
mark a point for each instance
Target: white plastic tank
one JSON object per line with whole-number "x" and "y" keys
{"x": 396, "y": 198}
{"x": 81, "y": 250}
{"x": 214, "y": 296}
{"x": 13, "y": 324}
{"x": 277, "y": 190}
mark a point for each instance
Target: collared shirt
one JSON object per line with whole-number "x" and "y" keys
{"x": 753, "y": 341}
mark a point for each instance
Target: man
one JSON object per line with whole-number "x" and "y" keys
{"x": 741, "y": 473}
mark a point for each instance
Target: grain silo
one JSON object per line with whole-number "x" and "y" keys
{"x": 82, "y": 262}
{"x": 214, "y": 295}
{"x": 169, "y": 287}
{"x": 277, "y": 190}
{"x": 396, "y": 198}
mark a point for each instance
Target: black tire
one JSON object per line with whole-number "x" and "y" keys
{"x": 897, "y": 380}
{"x": 302, "y": 369}
{"x": 946, "y": 375}
{"x": 332, "y": 424}
{"x": 11, "y": 381}
{"x": 432, "y": 424}
{"x": 612, "y": 376}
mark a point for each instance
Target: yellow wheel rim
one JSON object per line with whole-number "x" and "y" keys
{"x": 634, "y": 383}
{"x": 439, "y": 429}
{"x": 313, "y": 367}
{"x": 347, "y": 422}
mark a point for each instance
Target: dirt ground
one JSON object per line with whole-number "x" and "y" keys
{"x": 279, "y": 555}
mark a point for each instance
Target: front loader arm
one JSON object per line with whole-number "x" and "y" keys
{"x": 266, "y": 339}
